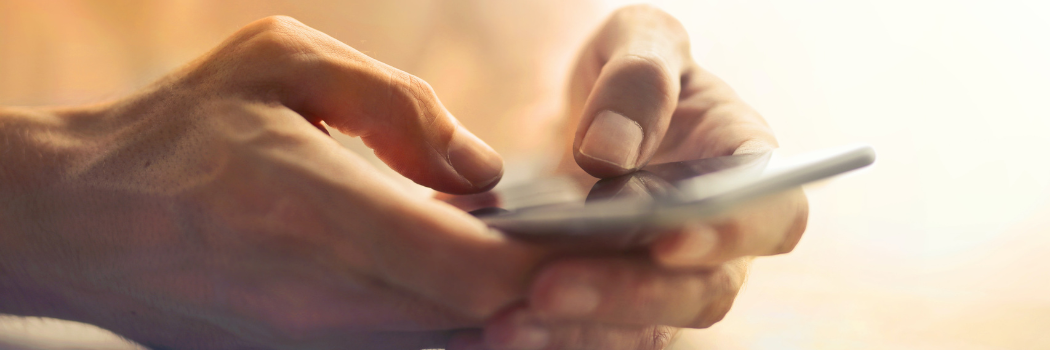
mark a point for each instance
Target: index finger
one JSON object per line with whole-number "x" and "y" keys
{"x": 280, "y": 60}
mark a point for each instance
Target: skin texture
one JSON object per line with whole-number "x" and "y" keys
{"x": 638, "y": 64}
{"x": 211, "y": 210}
{"x": 208, "y": 212}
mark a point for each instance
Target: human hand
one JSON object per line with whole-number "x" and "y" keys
{"x": 206, "y": 212}
{"x": 638, "y": 97}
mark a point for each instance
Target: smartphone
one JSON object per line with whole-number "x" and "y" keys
{"x": 660, "y": 195}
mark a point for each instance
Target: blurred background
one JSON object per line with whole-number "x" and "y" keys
{"x": 943, "y": 244}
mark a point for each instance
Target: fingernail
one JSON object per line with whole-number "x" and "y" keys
{"x": 692, "y": 248}
{"x": 528, "y": 337}
{"x": 613, "y": 139}
{"x": 573, "y": 298}
{"x": 474, "y": 160}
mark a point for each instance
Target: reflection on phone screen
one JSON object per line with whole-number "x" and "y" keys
{"x": 674, "y": 181}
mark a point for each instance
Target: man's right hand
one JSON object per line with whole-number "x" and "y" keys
{"x": 210, "y": 210}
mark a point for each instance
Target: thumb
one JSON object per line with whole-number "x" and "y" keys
{"x": 631, "y": 77}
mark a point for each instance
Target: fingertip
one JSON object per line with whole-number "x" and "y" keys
{"x": 693, "y": 246}
{"x": 627, "y": 113}
{"x": 599, "y": 169}
{"x": 614, "y": 139}
{"x": 470, "y": 202}
{"x": 474, "y": 160}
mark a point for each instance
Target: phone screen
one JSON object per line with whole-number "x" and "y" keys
{"x": 638, "y": 205}
{"x": 619, "y": 206}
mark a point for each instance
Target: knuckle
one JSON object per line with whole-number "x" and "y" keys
{"x": 647, "y": 22}
{"x": 710, "y": 318}
{"x": 276, "y": 37}
{"x": 646, "y": 65}
{"x": 646, "y": 71}
{"x": 659, "y": 337}
{"x": 723, "y": 287}
{"x": 412, "y": 96}
{"x": 727, "y": 281}
{"x": 278, "y": 22}
{"x": 714, "y": 313}
{"x": 649, "y": 15}
{"x": 696, "y": 291}
{"x": 275, "y": 44}
{"x": 415, "y": 87}
{"x": 264, "y": 48}
{"x": 635, "y": 10}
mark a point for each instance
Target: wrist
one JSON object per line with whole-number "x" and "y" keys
{"x": 40, "y": 148}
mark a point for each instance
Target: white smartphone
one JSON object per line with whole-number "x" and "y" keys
{"x": 660, "y": 195}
